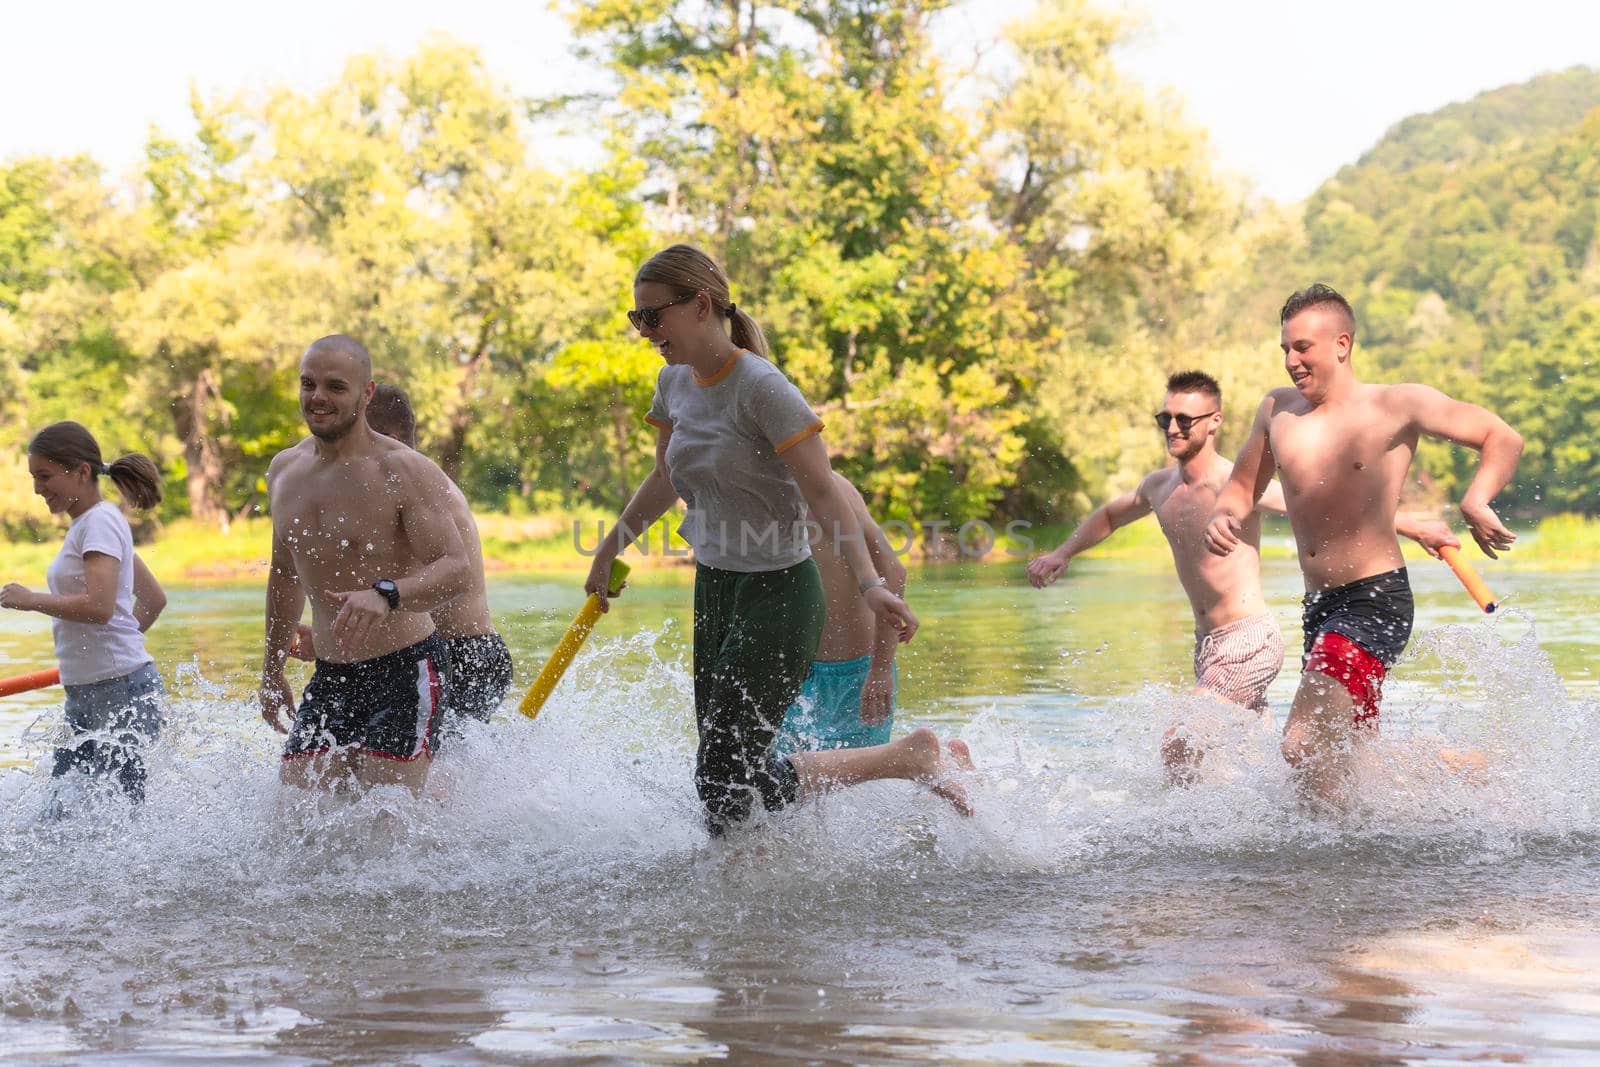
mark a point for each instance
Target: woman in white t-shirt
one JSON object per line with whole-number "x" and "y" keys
{"x": 102, "y": 598}
{"x": 740, "y": 445}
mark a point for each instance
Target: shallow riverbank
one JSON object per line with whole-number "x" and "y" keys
{"x": 564, "y": 542}
{"x": 560, "y": 902}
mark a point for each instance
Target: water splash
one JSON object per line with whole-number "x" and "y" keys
{"x": 581, "y": 830}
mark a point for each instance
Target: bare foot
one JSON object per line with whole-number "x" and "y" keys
{"x": 1469, "y": 763}
{"x": 1181, "y": 762}
{"x": 929, "y": 766}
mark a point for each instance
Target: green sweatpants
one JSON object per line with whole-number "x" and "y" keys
{"x": 755, "y": 636}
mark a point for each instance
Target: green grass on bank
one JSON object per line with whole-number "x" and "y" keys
{"x": 1558, "y": 543}
{"x": 187, "y": 551}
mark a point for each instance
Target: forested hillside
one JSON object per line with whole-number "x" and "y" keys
{"x": 1468, "y": 241}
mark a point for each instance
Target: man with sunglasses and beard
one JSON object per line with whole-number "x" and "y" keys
{"x": 357, "y": 530}
{"x": 1238, "y": 645}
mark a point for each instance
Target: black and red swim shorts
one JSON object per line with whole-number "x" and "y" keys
{"x": 1356, "y": 632}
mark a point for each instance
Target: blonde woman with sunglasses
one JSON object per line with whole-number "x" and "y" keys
{"x": 740, "y": 445}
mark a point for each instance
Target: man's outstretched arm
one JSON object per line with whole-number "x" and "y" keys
{"x": 1100, "y": 524}
{"x": 285, "y": 603}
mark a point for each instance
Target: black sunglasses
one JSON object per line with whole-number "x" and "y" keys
{"x": 650, "y": 318}
{"x": 1165, "y": 419}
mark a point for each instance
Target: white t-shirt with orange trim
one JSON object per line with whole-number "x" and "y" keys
{"x": 729, "y": 431}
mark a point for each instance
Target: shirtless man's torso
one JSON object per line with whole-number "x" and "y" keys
{"x": 1342, "y": 449}
{"x": 357, "y": 531}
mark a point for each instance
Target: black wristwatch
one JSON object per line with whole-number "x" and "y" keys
{"x": 390, "y": 591}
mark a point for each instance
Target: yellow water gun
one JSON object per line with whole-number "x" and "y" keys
{"x": 569, "y": 644}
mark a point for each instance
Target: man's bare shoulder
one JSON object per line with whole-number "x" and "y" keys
{"x": 290, "y": 458}
{"x": 460, "y": 510}
{"x": 1156, "y": 485}
{"x": 1403, "y": 397}
{"x": 1283, "y": 398}
{"x": 410, "y": 467}
{"x": 852, "y": 495}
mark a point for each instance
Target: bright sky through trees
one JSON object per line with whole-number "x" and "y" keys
{"x": 92, "y": 76}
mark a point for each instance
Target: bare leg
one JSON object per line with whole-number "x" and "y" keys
{"x": 327, "y": 772}
{"x": 1319, "y": 737}
{"x": 1180, "y": 759}
{"x": 442, "y": 783}
{"x": 374, "y": 770}
{"x": 915, "y": 757}
{"x": 1468, "y": 763}
{"x": 1181, "y": 755}
{"x": 344, "y": 770}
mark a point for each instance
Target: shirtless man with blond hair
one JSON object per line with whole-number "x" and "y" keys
{"x": 1341, "y": 448}
{"x": 357, "y": 530}
{"x": 1238, "y": 646}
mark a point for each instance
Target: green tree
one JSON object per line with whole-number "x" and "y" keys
{"x": 815, "y": 151}
{"x": 69, "y": 245}
{"x": 1129, "y": 237}
{"x": 220, "y": 339}
{"x": 1550, "y": 390}
{"x": 463, "y": 268}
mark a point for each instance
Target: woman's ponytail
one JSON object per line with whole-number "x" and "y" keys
{"x": 137, "y": 479}
{"x": 746, "y": 331}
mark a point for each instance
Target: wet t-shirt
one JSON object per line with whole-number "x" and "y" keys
{"x": 94, "y": 652}
{"x": 724, "y": 457}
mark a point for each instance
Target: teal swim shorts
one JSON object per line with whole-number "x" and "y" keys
{"x": 827, "y": 713}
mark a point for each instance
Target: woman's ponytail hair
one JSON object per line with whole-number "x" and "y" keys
{"x": 686, "y": 270}
{"x": 70, "y": 444}
{"x": 746, "y": 331}
{"x": 138, "y": 480}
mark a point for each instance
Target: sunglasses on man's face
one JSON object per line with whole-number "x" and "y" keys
{"x": 650, "y": 318}
{"x": 1164, "y": 419}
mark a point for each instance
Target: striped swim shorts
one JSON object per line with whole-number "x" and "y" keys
{"x": 1239, "y": 661}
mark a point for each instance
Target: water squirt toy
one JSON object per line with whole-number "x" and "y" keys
{"x": 1475, "y": 586}
{"x": 569, "y": 644}
{"x": 23, "y": 683}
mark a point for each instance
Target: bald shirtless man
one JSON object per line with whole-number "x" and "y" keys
{"x": 847, "y": 701}
{"x": 356, "y": 530}
{"x": 1238, "y": 646}
{"x": 1342, "y": 449}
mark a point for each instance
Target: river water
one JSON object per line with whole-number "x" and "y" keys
{"x": 561, "y": 903}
